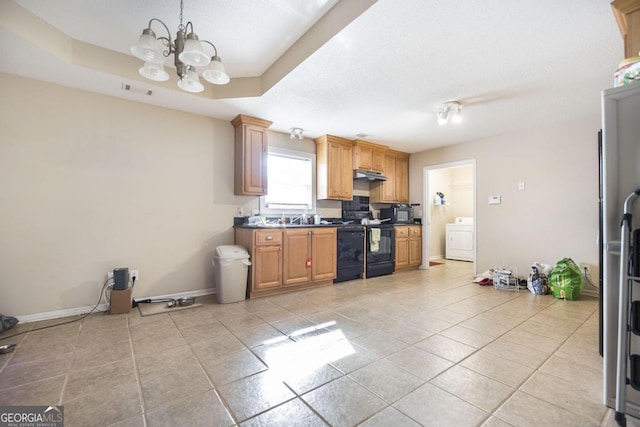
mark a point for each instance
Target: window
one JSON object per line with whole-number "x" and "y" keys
{"x": 291, "y": 186}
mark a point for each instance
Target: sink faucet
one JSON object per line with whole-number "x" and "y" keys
{"x": 300, "y": 219}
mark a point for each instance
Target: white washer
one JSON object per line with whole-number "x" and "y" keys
{"x": 460, "y": 239}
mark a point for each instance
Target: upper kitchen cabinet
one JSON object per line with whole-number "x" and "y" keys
{"x": 396, "y": 188}
{"x": 251, "y": 150}
{"x": 368, "y": 156}
{"x": 334, "y": 168}
{"x": 627, "y": 13}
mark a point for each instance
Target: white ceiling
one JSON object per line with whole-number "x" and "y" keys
{"x": 375, "y": 67}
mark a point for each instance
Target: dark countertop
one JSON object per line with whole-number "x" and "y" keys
{"x": 279, "y": 226}
{"x": 282, "y": 227}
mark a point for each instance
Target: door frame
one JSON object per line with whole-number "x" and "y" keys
{"x": 426, "y": 209}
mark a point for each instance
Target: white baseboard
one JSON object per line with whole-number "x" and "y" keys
{"x": 26, "y": 318}
{"x": 60, "y": 313}
{"x": 435, "y": 257}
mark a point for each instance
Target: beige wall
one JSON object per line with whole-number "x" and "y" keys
{"x": 555, "y": 217}
{"x": 439, "y": 215}
{"x": 461, "y": 189}
{"x": 89, "y": 183}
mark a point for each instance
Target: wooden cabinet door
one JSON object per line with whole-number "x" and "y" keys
{"x": 334, "y": 170}
{"x": 267, "y": 267}
{"x": 415, "y": 251}
{"x": 255, "y": 164}
{"x": 346, "y": 172}
{"x": 324, "y": 253}
{"x": 402, "y": 252}
{"x": 402, "y": 180}
{"x": 297, "y": 256}
{"x": 377, "y": 160}
{"x": 389, "y": 186}
{"x": 340, "y": 172}
{"x": 363, "y": 158}
{"x": 250, "y": 156}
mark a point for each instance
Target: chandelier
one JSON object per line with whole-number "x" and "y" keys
{"x": 188, "y": 53}
{"x": 451, "y": 110}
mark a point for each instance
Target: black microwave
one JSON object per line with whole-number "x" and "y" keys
{"x": 398, "y": 214}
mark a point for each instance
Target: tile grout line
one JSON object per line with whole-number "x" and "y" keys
{"x": 225, "y": 404}
{"x": 136, "y": 373}
{"x": 519, "y": 389}
{"x": 491, "y": 414}
{"x": 66, "y": 377}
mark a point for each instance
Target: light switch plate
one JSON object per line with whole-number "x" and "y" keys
{"x": 495, "y": 200}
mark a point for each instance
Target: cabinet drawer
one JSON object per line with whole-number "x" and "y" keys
{"x": 402, "y": 231}
{"x": 415, "y": 231}
{"x": 268, "y": 237}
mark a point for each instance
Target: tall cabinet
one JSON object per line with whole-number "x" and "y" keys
{"x": 251, "y": 151}
{"x": 334, "y": 168}
{"x": 396, "y": 188}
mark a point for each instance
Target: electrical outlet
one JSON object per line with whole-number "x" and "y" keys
{"x": 585, "y": 268}
{"x": 134, "y": 275}
{"x": 110, "y": 275}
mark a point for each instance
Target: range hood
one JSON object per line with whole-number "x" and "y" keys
{"x": 368, "y": 175}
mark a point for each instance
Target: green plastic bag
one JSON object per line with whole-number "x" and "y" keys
{"x": 566, "y": 280}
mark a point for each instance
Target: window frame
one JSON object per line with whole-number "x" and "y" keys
{"x": 294, "y": 154}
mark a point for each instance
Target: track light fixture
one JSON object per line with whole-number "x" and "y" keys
{"x": 296, "y": 133}
{"x": 188, "y": 52}
{"x": 451, "y": 110}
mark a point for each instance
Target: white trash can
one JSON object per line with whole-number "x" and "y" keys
{"x": 230, "y": 266}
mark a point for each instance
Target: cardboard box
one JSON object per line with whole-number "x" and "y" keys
{"x": 120, "y": 301}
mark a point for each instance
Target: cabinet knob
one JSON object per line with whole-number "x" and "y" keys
{"x": 269, "y": 238}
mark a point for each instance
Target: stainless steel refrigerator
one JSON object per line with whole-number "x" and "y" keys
{"x": 620, "y": 176}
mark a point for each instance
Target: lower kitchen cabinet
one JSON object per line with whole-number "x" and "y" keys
{"x": 408, "y": 247}
{"x": 324, "y": 251}
{"x": 310, "y": 255}
{"x": 285, "y": 260}
{"x": 267, "y": 261}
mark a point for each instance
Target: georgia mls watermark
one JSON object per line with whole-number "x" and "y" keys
{"x": 31, "y": 416}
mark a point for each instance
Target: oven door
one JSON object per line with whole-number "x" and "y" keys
{"x": 384, "y": 250}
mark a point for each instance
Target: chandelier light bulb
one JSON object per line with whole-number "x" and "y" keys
{"x": 147, "y": 47}
{"x": 216, "y": 73}
{"x": 193, "y": 53}
{"x": 154, "y": 71}
{"x": 191, "y": 82}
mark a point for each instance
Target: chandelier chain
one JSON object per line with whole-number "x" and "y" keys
{"x": 181, "y": 27}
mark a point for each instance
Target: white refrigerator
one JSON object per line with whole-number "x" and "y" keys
{"x": 620, "y": 176}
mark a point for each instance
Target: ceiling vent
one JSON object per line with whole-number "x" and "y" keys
{"x": 363, "y": 135}
{"x": 137, "y": 90}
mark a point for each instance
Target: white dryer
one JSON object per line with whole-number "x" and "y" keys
{"x": 459, "y": 237}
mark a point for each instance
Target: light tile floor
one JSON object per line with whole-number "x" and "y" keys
{"x": 414, "y": 348}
